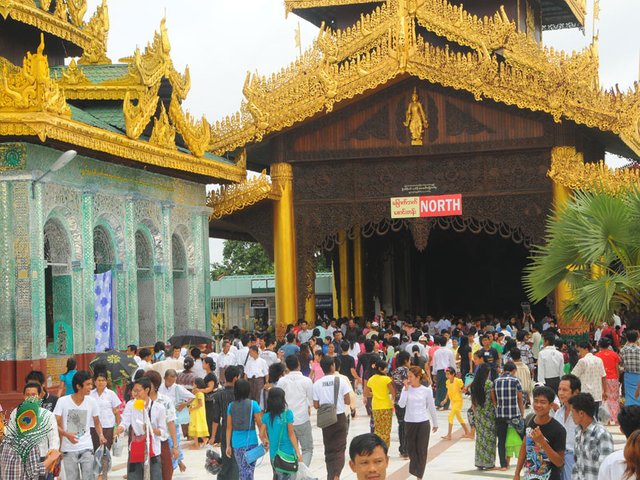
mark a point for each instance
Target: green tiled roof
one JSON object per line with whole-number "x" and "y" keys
{"x": 97, "y": 73}
{"x": 87, "y": 118}
{"x": 107, "y": 112}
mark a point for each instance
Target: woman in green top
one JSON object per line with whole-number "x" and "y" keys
{"x": 380, "y": 387}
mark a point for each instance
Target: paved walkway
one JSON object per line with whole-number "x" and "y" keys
{"x": 450, "y": 460}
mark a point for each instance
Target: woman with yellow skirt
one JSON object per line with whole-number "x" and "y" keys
{"x": 380, "y": 387}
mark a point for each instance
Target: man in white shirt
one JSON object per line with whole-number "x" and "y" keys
{"x": 415, "y": 337}
{"x": 550, "y": 363}
{"x": 569, "y": 387}
{"x": 298, "y": 392}
{"x": 76, "y": 414}
{"x": 132, "y": 351}
{"x": 334, "y": 436}
{"x": 613, "y": 467}
{"x": 304, "y": 334}
{"x": 226, "y": 358}
{"x": 257, "y": 371}
{"x": 590, "y": 371}
{"x": 268, "y": 354}
{"x": 242, "y": 354}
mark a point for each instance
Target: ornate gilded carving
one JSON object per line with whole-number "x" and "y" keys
{"x": 415, "y": 119}
{"x": 72, "y": 75}
{"x": 228, "y": 199}
{"x": 98, "y": 28}
{"x": 138, "y": 115}
{"x": 30, "y": 88}
{"x": 163, "y": 133}
{"x": 65, "y": 22}
{"x": 420, "y": 230}
{"x": 568, "y": 169}
{"x": 383, "y": 45}
{"x": 196, "y": 134}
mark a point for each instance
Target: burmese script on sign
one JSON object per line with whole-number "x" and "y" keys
{"x": 426, "y": 206}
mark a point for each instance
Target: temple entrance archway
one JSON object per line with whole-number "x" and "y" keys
{"x": 445, "y": 266}
{"x": 180, "y": 284}
{"x": 146, "y": 289}
{"x": 58, "y": 287}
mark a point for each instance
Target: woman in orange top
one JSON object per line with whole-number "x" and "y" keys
{"x": 611, "y": 362}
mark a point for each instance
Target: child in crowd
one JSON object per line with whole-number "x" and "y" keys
{"x": 198, "y": 429}
{"x": 455, "y": 388}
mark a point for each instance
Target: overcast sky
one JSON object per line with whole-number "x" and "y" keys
{"x": 221, "y": 40}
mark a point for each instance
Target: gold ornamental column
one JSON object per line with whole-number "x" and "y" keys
{"x": 358, "y": 294}
{"x": 284, "y": 248}
{"x": 310, "y": 294}
{"x": 343, "y": 265}
{"x": 561, "y": 195}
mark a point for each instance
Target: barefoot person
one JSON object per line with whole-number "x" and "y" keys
{"x": 454, "y": 395}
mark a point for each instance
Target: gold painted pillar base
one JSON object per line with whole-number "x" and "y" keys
{"x": 310, "y": 297}
{"x": 284, "y": 248}
{"x": 563, "y": 294}
{"x": 358, "y": 287}
{"x": 343, "y": 265}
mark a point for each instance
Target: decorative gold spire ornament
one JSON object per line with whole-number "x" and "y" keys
{"x": 416, "y": 119}
{"x": 163, "y": 133}
{"x": 98, "y": 28}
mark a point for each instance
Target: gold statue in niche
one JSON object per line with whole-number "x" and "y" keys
{"x": 416, "y": 119}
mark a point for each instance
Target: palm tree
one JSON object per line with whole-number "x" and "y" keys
{"x": 592, "y": 243}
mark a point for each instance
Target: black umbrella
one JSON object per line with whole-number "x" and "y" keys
{"x": 190, "y": 336}
{"x": 118, "y": 365}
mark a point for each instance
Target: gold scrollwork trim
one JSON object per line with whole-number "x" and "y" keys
{"x": 85, "y": 136}
{"x": 228, "y": 199}
{"x": 59, "y": 26}
{"x": 569, "y": 170}
{"x": 532, "y": 77}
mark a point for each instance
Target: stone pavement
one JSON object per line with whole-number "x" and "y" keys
{"x": 450, "y": 460}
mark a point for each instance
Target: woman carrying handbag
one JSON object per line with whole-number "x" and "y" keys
{"x": 243, "y": 415}
{"x": 278, "y": 435}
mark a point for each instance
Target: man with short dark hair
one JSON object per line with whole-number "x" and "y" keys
{"x": 593, "y": 442}
{"x": 368, "y": 457}
{"x": 304, "y": 334}
{"x": 221, "y": 400}
{"x": 257, "y": 371}
{"x": 613, "y": 467}
{"x": 48, "y": 401}
{"x": 508, "y": 399}
{"x": 442, "y": 359}
{"x": 525, "y": 350}
{"x": 490, "y": 355}
{"x": 542, "y": 451}
{"x": 290, "y": 348}
{"x": 550, "y": 363}
{"x": 569, "y": 387}
{"x": 334, "y": 436}
{"x": 76, "y": 414}
{"x": 298, "y": 393}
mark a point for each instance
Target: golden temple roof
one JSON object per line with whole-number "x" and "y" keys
{"x": 64, "y": 20}
{"x": 34, "y": 103}
{"x": 504, "y": 65}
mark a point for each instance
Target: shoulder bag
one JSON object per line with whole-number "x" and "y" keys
{"x": 327, "y": 413}
{"x": 284, "y": 462}
{"x": 254, "y": 454}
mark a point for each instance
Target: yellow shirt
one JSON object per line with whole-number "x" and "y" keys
{"x": 381, "y": 395}
{"x": 454, "y": 390}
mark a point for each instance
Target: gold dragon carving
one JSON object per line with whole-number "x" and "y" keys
{"x": 138, "y": 115}
{"x": 569, "y": 170}
{"x": 384, "y": 44}
{"x": 231, "y": 198}
{"x": 30, "y": 89}
{"x": 195, "y": 133}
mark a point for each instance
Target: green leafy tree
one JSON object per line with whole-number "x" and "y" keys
{"x": 242, "y": 258}
{"x": 592, "y": 243}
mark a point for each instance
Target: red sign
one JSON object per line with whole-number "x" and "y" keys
{"x": 426, "y": 206}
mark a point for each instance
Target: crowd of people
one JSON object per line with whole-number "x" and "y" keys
{"x": 251, "y": 395}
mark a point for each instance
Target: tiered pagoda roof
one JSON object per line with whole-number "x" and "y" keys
{"x": 489, "y": 57}
{"x": 128, "y": 113}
